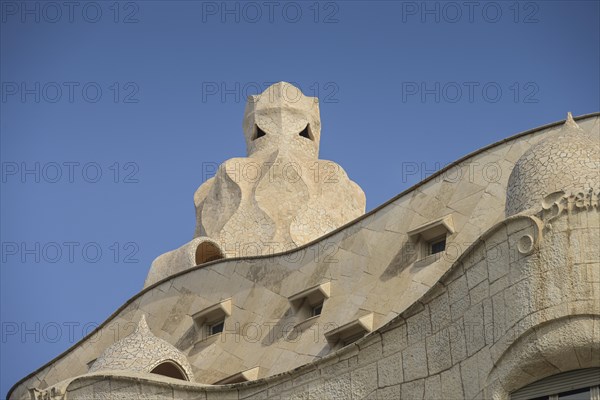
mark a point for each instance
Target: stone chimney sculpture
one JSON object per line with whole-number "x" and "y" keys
{"x": 279, "y": 197}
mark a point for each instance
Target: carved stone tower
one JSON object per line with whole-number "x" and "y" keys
{"x": 278, "y": 197}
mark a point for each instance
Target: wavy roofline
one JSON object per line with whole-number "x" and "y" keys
{"x": 313, "y": 365}
{"x": 304, "y": 246}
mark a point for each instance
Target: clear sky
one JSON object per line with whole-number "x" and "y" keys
{"x": 111, "y": 114}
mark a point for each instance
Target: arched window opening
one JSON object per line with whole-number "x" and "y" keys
{"x": 170, "y": 370}
{"x": 207, "y": 251}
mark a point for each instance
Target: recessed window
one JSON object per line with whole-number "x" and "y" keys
{"x": 351, "y": 339}
{"x": 211, "y": 320}
{"x": 316, "y": 310}
{"x": 216, "y": 327}
{"x": 305, "y": 133}
{"x": 437, "y": 245}
{"x": 259, "y": 132}
{"x": 350, "y": 332}
{"x": 309, "y": 302}
{"x": 431, "y": 238}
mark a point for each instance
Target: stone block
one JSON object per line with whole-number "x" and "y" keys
{"x": 364, "y": 381}
{"x": 390, "y": 370}
{"x": 451, "y": 382}
{"x": 438, "y": 352}
{"x": 433, "y": 388}
{"x": 414, "y": 361}
{"x": 414, "y": 390}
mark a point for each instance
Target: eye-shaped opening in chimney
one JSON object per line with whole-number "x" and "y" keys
{"x": 305, "y": 133}
{"x": 258, "y": 132}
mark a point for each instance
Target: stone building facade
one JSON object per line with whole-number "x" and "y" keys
{"x": 482, "y": 281}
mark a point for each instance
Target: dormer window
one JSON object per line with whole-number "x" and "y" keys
{"x": 352, "y": 331}
{"x": 352, "y": 338}
{"x": 309, "y": 302}
{"x": 431, "y": 237}
{"x": 437, "y": 245}
{"x": 216, "y": 327}
{"x": 211, "y": 320}
{"x": 316, "y": 310}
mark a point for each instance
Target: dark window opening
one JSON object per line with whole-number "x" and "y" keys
{"x": 352, "y": 339}
{"x": 437, "y": 246}
{"x": 579, "y": 394}
{"x": 317, "y": 309}
{"x": 305, "y": 133}
{"x": 259, "y": 133}
{"x": 237, "y": 378}
{"x": 207, "y": 251}
{"x": 169, "y": 369}
{"x": 217, "y": 327}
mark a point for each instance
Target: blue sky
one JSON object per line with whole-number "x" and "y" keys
{"x": 111, "y": 114}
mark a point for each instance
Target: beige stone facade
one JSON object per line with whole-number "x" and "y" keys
{"x": 475, "y": 283}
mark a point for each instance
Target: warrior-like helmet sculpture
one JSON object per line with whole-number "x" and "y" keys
{"x": 278, "y": 197}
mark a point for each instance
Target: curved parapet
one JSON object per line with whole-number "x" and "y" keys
{"x": 500, "y": 318}
{"x": 438, "y": 322}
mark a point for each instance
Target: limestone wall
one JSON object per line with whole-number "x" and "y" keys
{"x": 371, "y": 266}
{"x": 486, "y": 329}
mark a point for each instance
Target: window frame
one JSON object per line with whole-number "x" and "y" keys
{"x": 211, "y": 325}
{"x": 318, "y": 306}
{"x": 305, "y": 302}
{"x": 553, "y": 386}
{"x": 432, "y": 242}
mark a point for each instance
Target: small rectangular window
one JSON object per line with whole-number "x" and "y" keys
{"x": 217, "y": 327}
{"x": 437, "y": 246}
{"x": 316, "y": 310}
{"x": 309, "y": 302}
